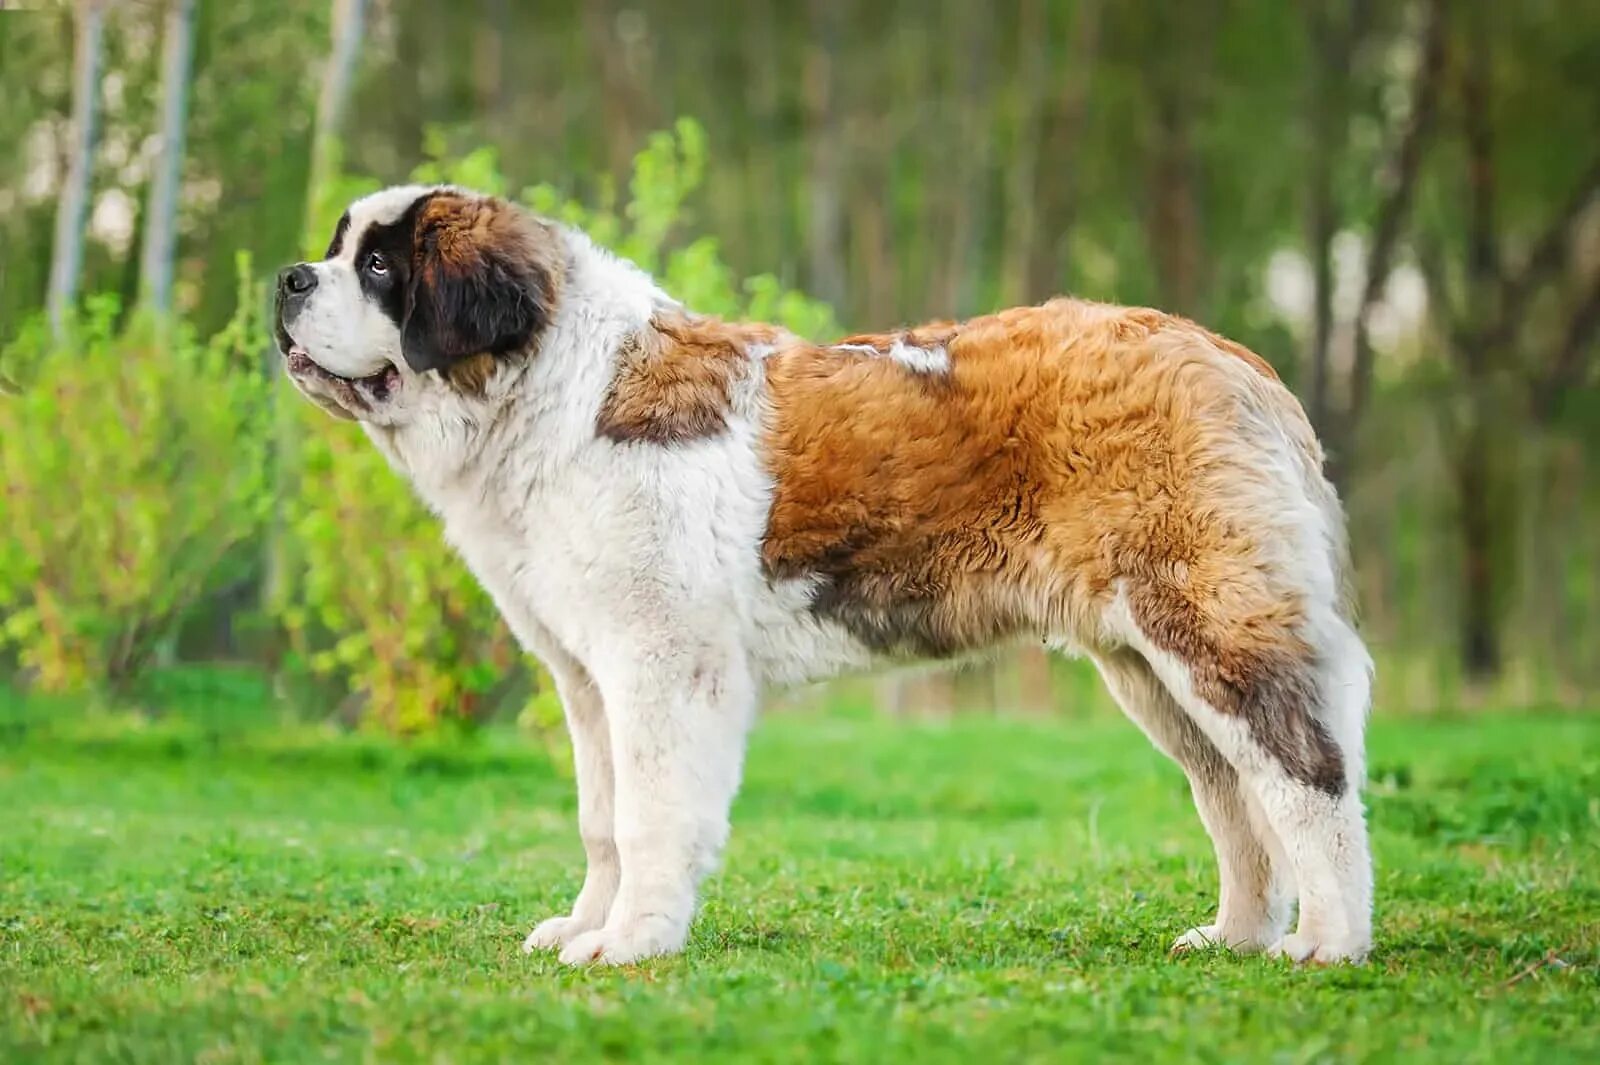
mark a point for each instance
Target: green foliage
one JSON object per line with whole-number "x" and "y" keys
{"x": 405, "y": 627}
{"x": 134, "y": 469}
{"x": 894, "y": 891}
{"x": 328, "y": 201}
{"x": 666, "y": 173}
{"x": 380, "y": 602}
{"x": 932, "y": 160}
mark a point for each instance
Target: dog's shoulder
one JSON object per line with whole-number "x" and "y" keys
{"x": 679, "y": 377}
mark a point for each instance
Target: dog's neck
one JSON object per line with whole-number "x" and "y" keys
{"x": 541, "y": 409}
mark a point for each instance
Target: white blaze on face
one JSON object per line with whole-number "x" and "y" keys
{"x": 343, "y": 326}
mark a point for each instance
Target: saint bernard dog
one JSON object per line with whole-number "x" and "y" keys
{"x": 674, "y": 512}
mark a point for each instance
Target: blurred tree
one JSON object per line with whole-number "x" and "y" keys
{"x": 338, "y": 74}
{"x": 1482, "y": 319}
{"x": 36, "y": 84}
{"x": 1307, "y": 178}
{"x": 1399, "y": 183}
{"x": 824, "y": 191}
{"x": 161, "y": 216}
{"x": 1056, "y": 187}
{"x": 1335, "y": 31}
{"x": 72, "y": 208}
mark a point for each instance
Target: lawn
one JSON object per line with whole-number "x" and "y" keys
{"x": 894, "y": 890}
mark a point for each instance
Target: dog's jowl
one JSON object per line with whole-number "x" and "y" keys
{"x": 674, "y": 512}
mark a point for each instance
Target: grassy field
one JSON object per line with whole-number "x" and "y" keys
{"x": 893, "y": 891}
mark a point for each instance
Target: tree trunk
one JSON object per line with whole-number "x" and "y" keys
{"x": 824, "y": 230}
{"x": 957, "y": 274}
{"x": 1480, "y": 621}
{"x": 494, "y": 96}
{"x": 1328, "y": 69}
{"x": 1172, "y": 220}
{"x": 1055, "y": 185}
{"x": 1481, "y": 519}
{"x": 1027, "y": 91}
{"x": 349, "y": 25}
{"x": 349, "y": 17}
{"x": 72, "y": 209}
{"x": 406, "y": 112}
{"x": 617, "y": 111}
{"x": 1400, "y": 182}
{"x": 160, "y": 231}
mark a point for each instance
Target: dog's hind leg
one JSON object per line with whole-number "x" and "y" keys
{"x": 1287, "y": 709}
{"x": 1253, "y": 907}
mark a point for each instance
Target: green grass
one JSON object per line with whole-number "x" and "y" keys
{"x": 893, "y": 891}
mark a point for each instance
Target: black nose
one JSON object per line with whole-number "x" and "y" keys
{"x": 297, "y": 280}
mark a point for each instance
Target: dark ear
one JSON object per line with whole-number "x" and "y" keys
{"x": 476, "y": 285}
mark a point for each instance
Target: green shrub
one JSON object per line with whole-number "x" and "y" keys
{"x": 135, "y": 470}
{"x": 380, "y": 603}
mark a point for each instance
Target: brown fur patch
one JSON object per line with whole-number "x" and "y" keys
{"x": 675, "y": 380}
{"x": 485, "y": 277}
{"x": 472, "y": 374}
{"x": 475, "y": 235}
{"x": 1073, "y": 451}
{"x": 1260, "y": 671}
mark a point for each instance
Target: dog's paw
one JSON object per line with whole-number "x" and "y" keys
{"x": 625, "y": 943}
{"x": 1211, "y": 936}
{"x": 1204, "y": 937}
{"x": 1301, "y": 949}
{"x": 555, "y": 932}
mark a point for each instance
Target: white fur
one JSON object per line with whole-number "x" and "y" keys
{"x": 929, "y": 360}
{"x": 633, "y": 571}
{"x": 1256, "y": 882}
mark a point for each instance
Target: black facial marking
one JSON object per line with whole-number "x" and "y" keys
{"x": 336, "y": 245}
{"x": 394, "y": 243}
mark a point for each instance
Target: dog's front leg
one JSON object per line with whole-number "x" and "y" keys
{"x": 591, "y": 757}
{"x": 678, "y": 716}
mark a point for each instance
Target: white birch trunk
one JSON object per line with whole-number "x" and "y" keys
{"x": 156, "y": 264}
{"x": 72, "y": 209}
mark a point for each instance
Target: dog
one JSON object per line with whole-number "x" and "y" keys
{"x": 674, "y": 512}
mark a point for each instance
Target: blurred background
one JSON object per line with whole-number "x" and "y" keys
{"x": 1396, "y": 202}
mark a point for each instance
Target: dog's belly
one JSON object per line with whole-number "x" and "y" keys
{"x": 789, "y": 644}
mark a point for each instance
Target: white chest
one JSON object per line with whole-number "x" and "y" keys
{"x": 588, "y": 563}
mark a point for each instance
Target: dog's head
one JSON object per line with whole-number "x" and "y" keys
{"x": 419, "y": 287}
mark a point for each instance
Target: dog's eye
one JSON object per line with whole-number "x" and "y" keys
{"x": 376, "y": 264}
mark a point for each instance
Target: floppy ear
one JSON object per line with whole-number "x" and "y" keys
{"x": 476, "y": 283}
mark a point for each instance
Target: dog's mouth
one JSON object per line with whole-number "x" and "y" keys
{"x": 345, "y": 396}
{"x": 379, "y": 386}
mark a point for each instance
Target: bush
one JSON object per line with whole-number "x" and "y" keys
{"x": 135, "y": 475}
{"x": 380, "y": 604}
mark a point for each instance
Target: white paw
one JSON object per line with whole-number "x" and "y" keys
{"x": 625, "y": 943}
{"x": 1210, "y": 936}
{"x": 555, "y": 932}
{"x": 1300, "y": 948}
{"x": 1204, "y": 937}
